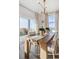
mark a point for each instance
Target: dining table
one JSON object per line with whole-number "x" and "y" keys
{"x": 42, "y": 41}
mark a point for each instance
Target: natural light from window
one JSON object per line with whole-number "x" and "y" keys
{"x": 28, "y": 23}
{"x": 51, "y": 22}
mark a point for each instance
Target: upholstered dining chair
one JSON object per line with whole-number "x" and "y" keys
{"x": 52, "y": 45}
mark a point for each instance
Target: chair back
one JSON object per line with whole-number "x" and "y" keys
{"x": 54, "y": 43}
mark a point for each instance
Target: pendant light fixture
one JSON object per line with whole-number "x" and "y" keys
{"x": 43, "y": 6}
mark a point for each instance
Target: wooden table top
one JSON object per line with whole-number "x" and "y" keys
{"x": 47, "y": 37}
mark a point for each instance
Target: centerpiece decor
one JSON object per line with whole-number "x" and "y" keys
{"x": 42, "y": 31}
{"x": 47, "y": 29}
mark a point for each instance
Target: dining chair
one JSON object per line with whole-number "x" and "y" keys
{"x": 52, "y": 45}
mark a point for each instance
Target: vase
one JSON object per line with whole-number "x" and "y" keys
{"x": 41, "y": 33}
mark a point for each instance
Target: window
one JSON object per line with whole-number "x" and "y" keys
{"x": 28, "y": 23}
{"x": 23, "y": 22}
{"x": 33, "y": 25}
{"x": 51, "y": 22}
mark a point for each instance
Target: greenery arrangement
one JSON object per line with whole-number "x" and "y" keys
{"x": 42, "y": 29}
{"x": 47, "y": 29}
{"x": 21, "y": 33}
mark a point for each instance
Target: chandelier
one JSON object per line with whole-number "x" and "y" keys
{"x": 43, "y": 6}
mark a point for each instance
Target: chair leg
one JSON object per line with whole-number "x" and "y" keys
{"x": 53, "y": 56}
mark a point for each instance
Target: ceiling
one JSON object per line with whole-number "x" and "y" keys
{"x": 33, "y": 5}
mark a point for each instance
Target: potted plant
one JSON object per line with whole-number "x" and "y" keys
{"x": 42, "y": 31}
{"x": 47, "y": 29}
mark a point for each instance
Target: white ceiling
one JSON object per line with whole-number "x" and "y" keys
{"x": 52, "y": 5}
